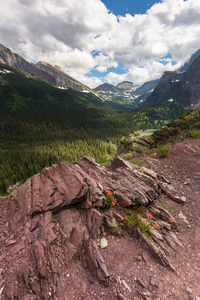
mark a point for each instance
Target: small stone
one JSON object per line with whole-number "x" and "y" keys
{"x": 126, "y": 285}
{"x": 11, "y": 242}
{"x": 140, "y": 283}
{"x": 183, "y": 198}
{"x": 1, "y": 290}
{"x": 103, "y": 243}
{"x": 145, "y": 295}
{"x": 118, "y": 280}
{"x": 193, "y": 297}
{"x": 189, "y": 290}
{"x": 152, "y": 282}
{"x": 183, "y": 217}
{"x": 120, "y": 296}
{"x": 139, "y": 258}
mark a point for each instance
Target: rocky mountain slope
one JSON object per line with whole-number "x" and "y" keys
{"x": 52, "y": 74}
{"x": 56, "y": 219}
{"x": 16, "y": 61}
{"x": 192, "y": 58}
{"x": 61, "y": 78}
{"x": 181, "y": 87}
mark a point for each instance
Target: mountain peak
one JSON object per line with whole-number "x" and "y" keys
{"x": 62, "y": 79}
{"x": 43, "y": 70}
{"x": 127, "y": 85}
{"x": 106, "y": 87}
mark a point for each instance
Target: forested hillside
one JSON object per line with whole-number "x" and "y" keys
{"x": 41, "y": 125}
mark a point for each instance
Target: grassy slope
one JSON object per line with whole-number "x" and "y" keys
{"x": 187, "y": 126}
{"x": 41, "y": 125}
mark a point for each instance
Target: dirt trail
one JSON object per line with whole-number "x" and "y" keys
{"x": 182, "y": 168}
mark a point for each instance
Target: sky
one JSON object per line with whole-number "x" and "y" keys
{"x": 123, "y": 7}
{"x": 98, "y": 41}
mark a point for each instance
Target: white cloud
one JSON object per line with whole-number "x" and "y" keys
{"x": 65, "y": 32}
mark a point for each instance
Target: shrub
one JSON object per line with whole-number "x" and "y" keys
{"x": 114, "y": 223}
{"x": 195, "y": 134}
{"x": 135, "y": 219}
{"x": 137, "y": 162}
{"x": 110, "y": 200}
{"x": 162, "y": 150}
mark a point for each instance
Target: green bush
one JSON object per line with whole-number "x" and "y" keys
{"x": 137, "y": 162}
{"x": 110, "y": 200}
{"x": 195, "y": 134}
{"x": 135, "y": 219}
{"x": 162, "y": 150}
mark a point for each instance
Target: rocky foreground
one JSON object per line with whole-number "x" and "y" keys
{"x": 53, "y": 226}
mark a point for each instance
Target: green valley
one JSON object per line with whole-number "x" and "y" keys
{"x": 41, "y": 125}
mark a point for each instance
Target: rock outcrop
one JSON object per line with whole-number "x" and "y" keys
{"x": 57, "y": 216}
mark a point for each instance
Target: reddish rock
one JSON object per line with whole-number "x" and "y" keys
{"x": 55, "y": 217}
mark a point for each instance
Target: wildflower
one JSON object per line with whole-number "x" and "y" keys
{"x": 126, "y": 218}
{"x": 171, "y": 220}
{"x": 143, "y": 208}
{"x": 149, "y": 216}
{"x": 113, "y": 203}
{"x": 155, "y": 226}
{"x": 109, "y": 193}
{"x": 122, "y": 218}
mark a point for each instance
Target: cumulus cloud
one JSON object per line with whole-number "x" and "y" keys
{"x": 68, "y": 33}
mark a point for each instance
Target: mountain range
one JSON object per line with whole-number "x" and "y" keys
{"x": 127, "y": 91}
{"x": 181, "y": 86}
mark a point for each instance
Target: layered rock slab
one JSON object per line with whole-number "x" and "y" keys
{"x": 56, "y": 217}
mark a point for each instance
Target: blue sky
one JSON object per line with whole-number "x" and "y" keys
{"x": 122, "y": 7}
{"x": 98, "y": 41}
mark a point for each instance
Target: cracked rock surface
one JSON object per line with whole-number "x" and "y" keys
{"x": 52, "y": 224}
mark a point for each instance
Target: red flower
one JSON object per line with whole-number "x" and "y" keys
{"x": 171, "y": 220}
{"x": 126, "y": 218}
{"x": 155, "y": 226}
{"x": 122, "y": 218}
{"x": 113, "y": 203}
{"x": 109, "y": 193}
{"x": 149, "y": 216}
{"x": 143, "y": 208}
